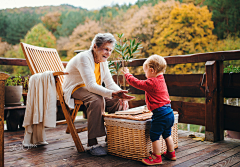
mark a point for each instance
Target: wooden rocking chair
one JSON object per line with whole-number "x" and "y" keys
{"x": 39, "y": 60}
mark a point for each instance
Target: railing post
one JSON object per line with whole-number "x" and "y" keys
{"x": 214, "y": 101}
{"x": 220, "y": 100}
{"x": 3, "y": 77}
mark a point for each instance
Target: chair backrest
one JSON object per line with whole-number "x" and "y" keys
{"x": 40, "y": 59}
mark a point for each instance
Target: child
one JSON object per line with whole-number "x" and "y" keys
{"x": 157, "y": 100}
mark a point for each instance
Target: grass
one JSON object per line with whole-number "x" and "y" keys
{"x": 80, "y": 113}
{"x": 193, "y": 128}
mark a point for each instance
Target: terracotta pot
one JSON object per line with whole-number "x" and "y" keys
{"x": 13, "y": 95}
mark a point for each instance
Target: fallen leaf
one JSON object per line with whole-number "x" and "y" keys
{"x": 199, "y": 138}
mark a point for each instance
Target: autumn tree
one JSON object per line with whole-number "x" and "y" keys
{"x": 181, "y": 30}
{"x": 161, "y": 20}
{"x": 140, "y": 25}
{"x": 82, "y": 37}
{"x": 111, "y": 19}
{"x": 135, "y": 23}
{"x": 61, "y": 42}
{"x": 229, "y": 43}
{"x": 40, "y": 36}
{"x": 188, "y": 30}
{"x": 4, "y": 46}
{"x": 117, "y": 25}
{"x": 13, "y": 52}
{"x": 51, "y": 21}
{"x": 6, "y": 50}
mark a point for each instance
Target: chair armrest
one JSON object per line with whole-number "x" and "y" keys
{"x": 60, "y": 73}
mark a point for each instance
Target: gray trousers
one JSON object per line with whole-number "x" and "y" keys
{"x": 96, "y": 105}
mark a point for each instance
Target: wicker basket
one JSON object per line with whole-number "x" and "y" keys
{"x": 131, "y": 138}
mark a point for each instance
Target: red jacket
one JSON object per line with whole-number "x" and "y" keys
{"x": 156, "y": 93}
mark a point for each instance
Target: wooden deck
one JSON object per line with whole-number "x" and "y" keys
{"x": 61, "y": 151}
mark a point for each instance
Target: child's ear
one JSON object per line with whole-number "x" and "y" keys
{"x": 152, "y": 70}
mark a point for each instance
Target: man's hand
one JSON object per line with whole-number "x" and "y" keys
{"x": 121, "y": 94}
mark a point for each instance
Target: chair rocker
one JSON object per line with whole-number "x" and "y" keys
{"x": 39, "y": 60}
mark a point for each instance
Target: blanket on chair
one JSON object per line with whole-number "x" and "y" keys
{"x": 41, "y": 108}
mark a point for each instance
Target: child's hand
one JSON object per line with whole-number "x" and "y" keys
{"x": 125, "y": 70}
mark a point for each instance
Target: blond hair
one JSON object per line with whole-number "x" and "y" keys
{"x": 158, "y": 63}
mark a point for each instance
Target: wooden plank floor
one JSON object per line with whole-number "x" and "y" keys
{"x": 61, "y": 151}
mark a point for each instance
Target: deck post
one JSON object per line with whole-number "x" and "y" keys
{"x": 3, "y": 77}
{"x": 214, "y": 101}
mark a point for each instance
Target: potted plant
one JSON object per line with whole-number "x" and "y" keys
{"x": 127, "y": 49}
{"x": 13, "y": 90}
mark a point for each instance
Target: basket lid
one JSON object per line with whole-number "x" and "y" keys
{"x": 139, "y": 116}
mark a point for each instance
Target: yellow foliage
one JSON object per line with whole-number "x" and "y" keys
{"x": 188, "y": 68}
{"x": 161, "y": 18}
{"x": 230, "y": 43}
{"x": 188, "y": 29}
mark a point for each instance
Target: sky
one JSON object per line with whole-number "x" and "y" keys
{"x": 88, "y": 4}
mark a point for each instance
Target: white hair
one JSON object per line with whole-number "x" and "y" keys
{"x": 102, "y": 38}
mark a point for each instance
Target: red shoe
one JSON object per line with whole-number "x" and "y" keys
{"x": 170, "y": 155}
{"x": 153, "y": 160}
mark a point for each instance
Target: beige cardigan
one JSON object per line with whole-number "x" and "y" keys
{"x": 81, "y": 71}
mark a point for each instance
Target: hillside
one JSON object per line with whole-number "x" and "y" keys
{"x": 44, "y": 9}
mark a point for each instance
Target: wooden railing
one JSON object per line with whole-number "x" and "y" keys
{"x": 3, "y": 78}
{"x": 213, "y": 85}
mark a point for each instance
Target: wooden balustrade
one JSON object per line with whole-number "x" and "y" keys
{"x": 3, "y": 78}
{"x": 214, "y": 85}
